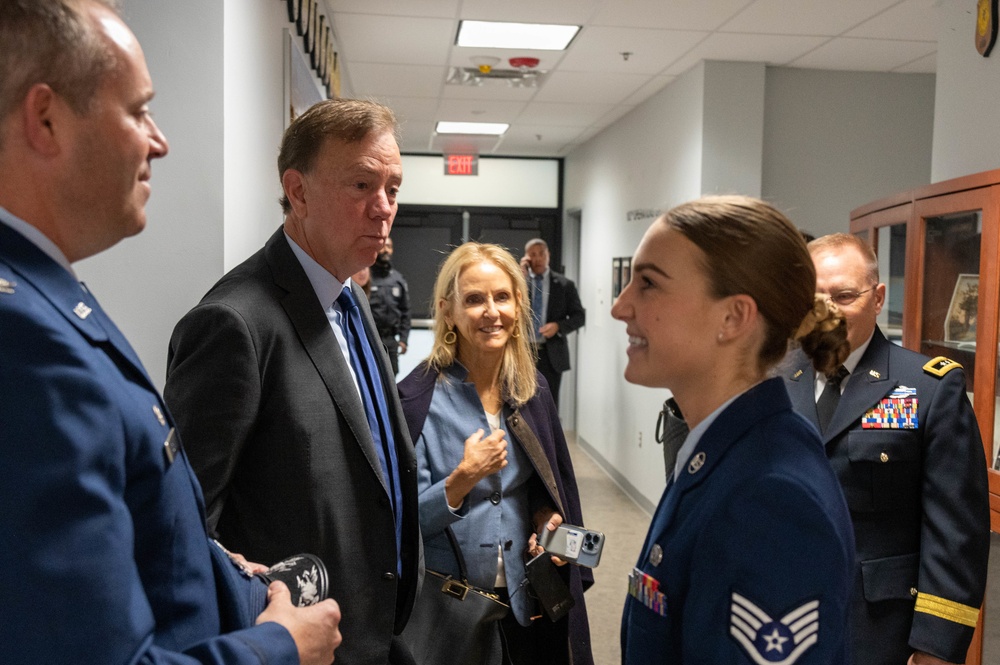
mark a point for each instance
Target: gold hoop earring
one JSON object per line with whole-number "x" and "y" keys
{"x": 517, "y": 329}
{"x": 450, "y": 337}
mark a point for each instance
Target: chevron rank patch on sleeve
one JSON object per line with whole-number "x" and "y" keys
{"x": 773, "y": 642}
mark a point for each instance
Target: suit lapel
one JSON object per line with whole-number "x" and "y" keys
{"x": 868, "y": 384}
{"x": 309, "y": 320}
{"x": 522, "y": 431}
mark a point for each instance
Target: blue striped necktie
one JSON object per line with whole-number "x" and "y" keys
{"x": 376, "y": 407}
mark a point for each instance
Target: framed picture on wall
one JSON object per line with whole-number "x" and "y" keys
{"x": 616, "y": 277}
{"x": 302, "y": 16}
{"x": 626, "y": 271}
{"x": 294, "y": 6}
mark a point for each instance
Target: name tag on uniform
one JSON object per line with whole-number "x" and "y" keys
{"x": 171, "y": 446}
{"x": 897, "y": 411}
{"x": 646, "y": 589}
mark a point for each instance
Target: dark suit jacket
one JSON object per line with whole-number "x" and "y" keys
{"x": 536, "y": 428}
{"x": 104, "y": 550}
{"x": 918, "y": 501}
{"x": 277, "y": 434}
{"x": 753, "y": 531}
{"x": 564, "y": 308}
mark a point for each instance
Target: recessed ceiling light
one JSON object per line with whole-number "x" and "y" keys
{"x": 490, "y": 128}
{"x": 536, "y": 36}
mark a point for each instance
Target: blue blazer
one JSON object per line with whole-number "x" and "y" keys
{"x": 918, "y": 499}
{"x": 104, "y": 548}
{"x": 750, "y": 550}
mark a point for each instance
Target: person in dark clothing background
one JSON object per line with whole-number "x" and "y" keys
{"x": 390, "y": 302}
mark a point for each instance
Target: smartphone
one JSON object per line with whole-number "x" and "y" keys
{"x": 574, "y": 544}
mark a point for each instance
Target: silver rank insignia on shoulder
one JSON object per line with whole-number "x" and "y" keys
{"x": 82, "y": 310}
{"x": 697, "y": 462}
{"x": 159, "y": 415}
{"x": 655, "y": 554}
{"x": 767, "y": 640}
{"x": 7, "y": 287}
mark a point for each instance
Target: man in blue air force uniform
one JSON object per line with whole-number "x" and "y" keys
{"x": 904, "y": 442}
{"x": 105, "y": 554}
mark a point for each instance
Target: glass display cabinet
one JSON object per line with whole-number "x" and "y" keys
{"x": 939, "y": 256}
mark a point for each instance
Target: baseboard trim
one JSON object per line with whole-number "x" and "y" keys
{"x": 623, "y": 484}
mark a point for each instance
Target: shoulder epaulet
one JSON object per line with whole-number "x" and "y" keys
{"x": 940, "y": 366}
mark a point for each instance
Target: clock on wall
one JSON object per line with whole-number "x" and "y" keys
{"x": 986, "y": 26}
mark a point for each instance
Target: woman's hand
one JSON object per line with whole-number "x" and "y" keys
{"x": 551, "y": 520}
{"x": 483, "y": 457}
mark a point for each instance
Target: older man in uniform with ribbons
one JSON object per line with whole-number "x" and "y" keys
{"x": 903, "y": 440}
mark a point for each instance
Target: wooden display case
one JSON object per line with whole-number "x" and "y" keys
{"x": 942, "y": 274}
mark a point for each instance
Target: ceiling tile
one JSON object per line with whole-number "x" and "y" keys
{"x": 769, "y": 49}
{"x": 564, "y": 12}
{"x": 600, "y": 49}
{"x": 645, "y": 92}
{"x": 386, "y": 80}
{"x": 805, "y": 17}
{"x": 586, "y": 88}
{"x": 414, "y": 137}
{"x": 674, "y": 14}
{"x": 464, "y": 110}
{"x": 414, "y": 41}
{"x": 489, "y": 90}
{"x": 412, "y": 109}
{"x": 912, "y": 19}
{"x": 568, "y": 115}
{"x": 427, "y": 8}
{"x": 924, "y": 65}
{"x": 847, "y": 53}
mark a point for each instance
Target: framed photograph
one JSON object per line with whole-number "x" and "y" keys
{"x": 960, "y": 325}
{"x": 294, "y": 7}
{"x": 317, "y": 52}
{"x": 311, "y": 29}
{"x": 626, "y": 271}
{"x": 302, "y": 16}
{"x": 616, "y": 277}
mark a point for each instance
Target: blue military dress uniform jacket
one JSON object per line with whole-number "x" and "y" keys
{"x": 104, "y": 548}
{"x": 917, "y": 492}
{"x": 750, "y": 553}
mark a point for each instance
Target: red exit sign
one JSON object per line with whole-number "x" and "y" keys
{"x": 461, "y": 165}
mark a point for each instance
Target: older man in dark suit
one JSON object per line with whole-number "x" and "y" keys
{"x": 284, "y": 394}
{"x": 556, "y": 310}
{"x": 903, "y": 440}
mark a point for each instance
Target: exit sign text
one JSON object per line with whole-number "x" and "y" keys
{"x": 461, "y": 165}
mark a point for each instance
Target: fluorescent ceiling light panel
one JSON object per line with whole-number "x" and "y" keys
{"x": 489, "y": 128}
{"x": 535, "y": 36}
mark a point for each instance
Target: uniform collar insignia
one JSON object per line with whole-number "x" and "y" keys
{"x": 82, "y": 310}
{"x": 773, "y": 642}
{"x": 7, "y": 287}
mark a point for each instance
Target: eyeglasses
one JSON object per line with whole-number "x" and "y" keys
{"x": 845, "y": 298}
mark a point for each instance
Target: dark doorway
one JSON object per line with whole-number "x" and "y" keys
{"x": 424, "y": 235}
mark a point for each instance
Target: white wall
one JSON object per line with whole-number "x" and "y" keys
{"x": 966, "y": 128}
{"x": 218, "y": 70}
{"x": 148, "y": 282}
{"x": 508, "y": 183}
{"x": 836, "y": 140}
{"x": 721, "y": 127}
{"x": 652, "y": 158}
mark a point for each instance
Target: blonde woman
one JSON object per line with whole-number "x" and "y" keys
{"x": 491, "y": 457}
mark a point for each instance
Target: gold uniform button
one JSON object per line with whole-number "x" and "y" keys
{"x": 913, "y": 591}
{"x": 884, "y": 457}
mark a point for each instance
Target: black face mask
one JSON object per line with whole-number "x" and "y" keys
{"x": 384, "y": 259}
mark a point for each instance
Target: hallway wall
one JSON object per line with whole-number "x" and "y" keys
{"x": 680, "y": 145}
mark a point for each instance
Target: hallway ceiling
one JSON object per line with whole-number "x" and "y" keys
{"x": 401, "y": 51}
